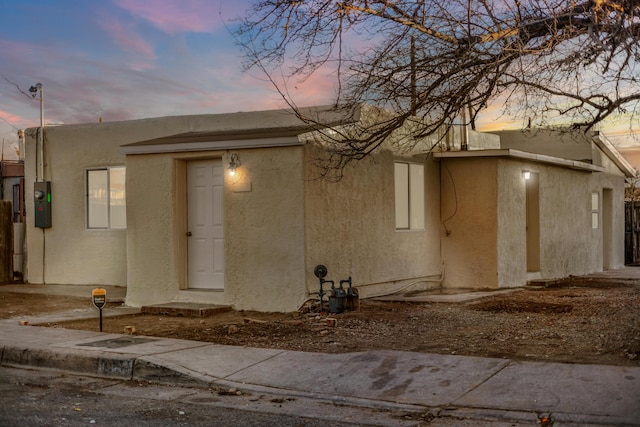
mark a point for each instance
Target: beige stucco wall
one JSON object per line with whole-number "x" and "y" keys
{"x": 350, "y": 228}
{"x": 263, "y": 226}
{"x": 486, "y": 247}
{"x": 567, "y": 244}
{"x": 567, "y": 145}
{"x": 469, "y": 212}
{"x": 265, "y": 239}
{"x": 608, "y": 164}
{"x": 511, "y": 238}
{"x": 153, "y": 274}
{"x": 265, "y": 259}
{"x": 73, "y": 254}
{"x": 566, "y": 238}
{"x": 280, "y": 222}
{"x": 571, "y": 246}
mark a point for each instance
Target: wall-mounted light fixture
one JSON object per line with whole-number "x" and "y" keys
{"x": 526, "y": 174}
{"x": 234, "y": 163}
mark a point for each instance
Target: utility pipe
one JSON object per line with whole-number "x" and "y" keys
{"x": 41, "y": 135}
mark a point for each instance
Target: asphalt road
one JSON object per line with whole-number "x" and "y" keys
{"x": 51, "y": 398}
{"x": 39, "y": 397}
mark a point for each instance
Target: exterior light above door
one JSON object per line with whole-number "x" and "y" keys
{"x": 526, "y": 174}
{"x": 234, "y": 163}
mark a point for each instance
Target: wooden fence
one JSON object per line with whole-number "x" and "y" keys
{"x": 632, "y": 232}
{"x": 6, "y": 241}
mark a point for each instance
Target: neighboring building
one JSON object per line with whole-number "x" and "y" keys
{"x": 12, "y": 188}
{"x": 150, "y": 204}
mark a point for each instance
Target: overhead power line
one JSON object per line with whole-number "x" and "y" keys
{"x": 8, "y": 122}
{"x": 17, "y": 87}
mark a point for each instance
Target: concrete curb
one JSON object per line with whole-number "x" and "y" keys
{"x": 148, "y": 371}
{"x": 464, "y": 387}
{"x": 126, "y": 367}
{"x": 113, "y": 366}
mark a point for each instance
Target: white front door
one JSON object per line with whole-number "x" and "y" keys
{"x": 205, "y": 224}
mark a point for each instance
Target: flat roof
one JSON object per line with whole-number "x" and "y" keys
{"x": 520, "y": 155}
{"x": 254, "y": 129}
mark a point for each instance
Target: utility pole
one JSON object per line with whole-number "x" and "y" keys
{"x": 40, "y": 171}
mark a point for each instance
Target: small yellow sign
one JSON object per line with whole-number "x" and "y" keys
{"x": 99, "y": 297}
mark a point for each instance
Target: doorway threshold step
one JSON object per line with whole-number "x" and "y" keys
{"x": 185, "y": 309}
{"x": 545, "y": 283}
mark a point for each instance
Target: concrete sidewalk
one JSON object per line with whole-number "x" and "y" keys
{"x": 478, "y": 388}
{"x": 451, "y": 386}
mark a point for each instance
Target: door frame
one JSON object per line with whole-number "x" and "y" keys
{"x": 607, "y": 228}
{"x": 217, "y": 163}
{"x": 532, "y": 222}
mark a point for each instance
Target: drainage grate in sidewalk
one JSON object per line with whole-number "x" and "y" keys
{"x": 117, "y": 342}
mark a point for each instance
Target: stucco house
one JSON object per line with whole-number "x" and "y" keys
{"x": 153, "y": 205}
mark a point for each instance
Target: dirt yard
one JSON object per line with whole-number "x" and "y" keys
{"x": 578, "y": 321}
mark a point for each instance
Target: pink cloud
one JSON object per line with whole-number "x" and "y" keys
{"x": 498, "y": 125}
{"x": 175, "y": 16}
{"x": 14, "y": 119}
{"x": 22, "y": 60}
{"x": 317, "y": 89}
{"x": 131, "y": 42}
{"x": 15, "y": 50}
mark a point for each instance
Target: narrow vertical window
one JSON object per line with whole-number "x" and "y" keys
{"x": 402, "y": 195}
{"x": 416, "y": 197}
{"x": 117, "y": 201}
{"x": 106, "y": 198}
{"x": 97, "y": 201}
{"x": 409, "y": 196}
{"x": 595, "y": 210}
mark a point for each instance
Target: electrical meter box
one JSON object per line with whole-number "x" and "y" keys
{"x": 42, "y": 204}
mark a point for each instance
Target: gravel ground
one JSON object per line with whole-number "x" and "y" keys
{"x": 578, "y": 321}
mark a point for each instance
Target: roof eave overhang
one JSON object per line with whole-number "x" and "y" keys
{"x": 608, "y": 148}
{"x": 212, "y": 145}
{"x": 258, "y": 129}
{"x": 521, "y": 155}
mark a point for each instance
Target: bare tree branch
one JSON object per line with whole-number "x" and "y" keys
{"x": 427, "y": 61}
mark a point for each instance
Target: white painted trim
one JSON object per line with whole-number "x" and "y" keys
{"x": 609, "y": 149}
{"x": 523, "y": 155}
{"x": 230, "y": 144}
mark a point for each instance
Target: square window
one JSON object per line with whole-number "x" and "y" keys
{"x": 106, "y": 198}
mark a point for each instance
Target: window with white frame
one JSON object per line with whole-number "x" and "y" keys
{"x": 106, "y": 201}
{"x": 409, "y": 196}
{"x": 595, "y": 210}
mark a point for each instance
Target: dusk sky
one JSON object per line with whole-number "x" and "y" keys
{"x": 124, "y": 59}
{"x": 131, "y": 59}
